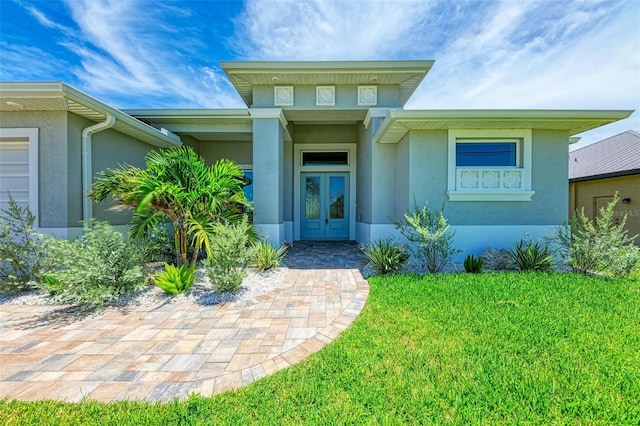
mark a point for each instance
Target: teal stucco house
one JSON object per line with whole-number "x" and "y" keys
{"x": 331, "y": 151}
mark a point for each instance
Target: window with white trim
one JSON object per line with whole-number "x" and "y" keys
{"x": 489, "y": 165}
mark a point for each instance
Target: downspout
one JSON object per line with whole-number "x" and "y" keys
{"x": 87, "y": 178}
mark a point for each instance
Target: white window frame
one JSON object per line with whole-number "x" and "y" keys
{"x": 31, "y": 133}
{"x": 523, "y": 140}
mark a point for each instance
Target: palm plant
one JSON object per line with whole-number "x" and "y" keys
{"x": 179, "y": 186}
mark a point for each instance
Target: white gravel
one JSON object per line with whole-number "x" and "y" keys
{"x": 201, "y": 292}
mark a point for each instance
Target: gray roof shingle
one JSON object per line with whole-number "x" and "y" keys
{"x": 617, "y": 154}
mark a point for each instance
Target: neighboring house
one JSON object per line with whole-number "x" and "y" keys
{"x": 599, "y": 170}
{"x": 332, "y": 152}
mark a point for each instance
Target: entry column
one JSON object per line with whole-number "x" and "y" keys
{"x": 269, "y": 127}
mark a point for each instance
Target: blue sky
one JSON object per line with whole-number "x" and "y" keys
{"x": 489, "y": 54}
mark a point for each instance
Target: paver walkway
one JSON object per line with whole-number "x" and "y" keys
{"x": 162, "y": 352}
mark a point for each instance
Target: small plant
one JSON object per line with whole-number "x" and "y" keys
{"x": 21, "y": 250}
{"x": 532, "y": 256}
{"x": 176, "y": 280}
{"x": 230, "y": 254}
{"x": 385, "y": 256}
{"x": 472, "y": 264}
{"x": 599, "y": 245}
{"x": 267, "y": 256}
{"x": 428, "y": 231}
{"x": 157, "y": 245}
{"x": 93, "y": 269}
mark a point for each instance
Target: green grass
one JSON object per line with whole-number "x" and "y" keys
{"x": 513, "y": 348}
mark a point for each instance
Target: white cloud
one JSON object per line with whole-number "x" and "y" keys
{"x": 524, "y": 54}
{"x": 329, "y": 30}
{"x": 27, "y": 63}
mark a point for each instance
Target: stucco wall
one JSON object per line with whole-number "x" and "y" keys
{"x": 403, "y": 199}
{"x": 346, "y": 97}
{"x": 52, "y": 162}
{"x": 239, "y": 151}
{"x": 268, "y": 171}
{"x": 428, "y": 182}
{"x": 339, "y": 133}
{"x": 584, "y": 193}
{"x": 109, "y": 150}
{"x": 363, "y": 175}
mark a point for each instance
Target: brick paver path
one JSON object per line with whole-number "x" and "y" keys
{"x": 162, "y": 352}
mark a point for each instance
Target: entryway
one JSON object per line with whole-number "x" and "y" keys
{"x": 324, "y": 206}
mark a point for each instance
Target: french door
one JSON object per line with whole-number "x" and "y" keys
{"x": 325, "y": 206}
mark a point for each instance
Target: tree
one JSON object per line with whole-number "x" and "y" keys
{"x": 179, "y": 186}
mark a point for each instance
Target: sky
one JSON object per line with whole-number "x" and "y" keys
{"x": 508, "y": 54}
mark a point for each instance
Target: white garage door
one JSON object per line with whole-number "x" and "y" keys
{"x": 18, "y": 168}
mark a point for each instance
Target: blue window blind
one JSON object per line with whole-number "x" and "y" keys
{"x": 486, "y": 154}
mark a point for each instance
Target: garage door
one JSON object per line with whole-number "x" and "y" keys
{"x": 17, "y": 174}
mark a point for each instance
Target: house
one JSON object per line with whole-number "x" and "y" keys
{"x": 332, "y": 153}
{"x": 599, "y": 170}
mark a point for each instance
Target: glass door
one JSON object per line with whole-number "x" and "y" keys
{"x": 325, "y": 206}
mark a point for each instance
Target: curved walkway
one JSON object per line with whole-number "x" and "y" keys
{"x": 163, "y": 352}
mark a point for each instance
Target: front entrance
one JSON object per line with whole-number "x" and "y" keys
{"x": 324, "y": 206}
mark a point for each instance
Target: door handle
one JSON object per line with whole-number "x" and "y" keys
{"x": 326, "y": 216}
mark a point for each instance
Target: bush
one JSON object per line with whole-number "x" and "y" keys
{"x": 385, "y": 256}
{"x": 598, "y": 245}
{"x": 230, "y": 255}
{"x": 432, "y": 242}
{"x": 472, "y": 264}
{"x": 267, "y": 256}
{"x": 175, "y": 280}
{"x": 532, "y": 256}
{"x": 157, "y": 245}
{"x": 93, "y": 269}
{"x": 21, "y": 250}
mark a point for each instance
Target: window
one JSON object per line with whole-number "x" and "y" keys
{"x": 324, "y": 158}
{"x": 489, "y": 165}
{"x": 248, "y": 189}
{"x": 486, "y": 154}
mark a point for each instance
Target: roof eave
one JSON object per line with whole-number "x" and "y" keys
{"x": 402, "y": 121}
{"x": 137, "y": 129}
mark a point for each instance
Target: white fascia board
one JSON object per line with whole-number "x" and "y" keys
{"x": 534, "y": 114}
{"x": 375, "y": 113}
{"x": 156, "y": 137}
{"x": 314, "y": 66}
{"x": 188, "y": 113}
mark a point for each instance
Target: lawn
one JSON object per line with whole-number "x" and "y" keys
{"x": 509, "y": 348}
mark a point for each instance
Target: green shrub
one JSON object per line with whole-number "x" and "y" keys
{"x": 157, "y": 245}
{"x": 175, "y": 280}
{"x": 93, "y": 269}
{"x": 598, "y": 245}
{"x": 21, "y": 250}
{"x": 267, "y": 256}
{"x": 385, "y": 256}
{"x": 472, "y": 264}
{"x": 430, "y": 238}
{"x": 231, "y": 253}
{"x": 532, "y": 256}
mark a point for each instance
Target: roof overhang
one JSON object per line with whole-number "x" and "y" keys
{"x": 406, "y": 74}
{"x": 16, "y": 97}
{"x": 216, "y": 123}
{"x": 398, "y": 123}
